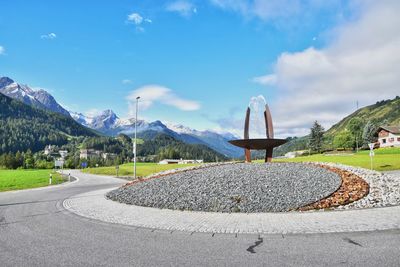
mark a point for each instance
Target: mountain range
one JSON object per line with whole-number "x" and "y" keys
{"x": 108, "y": 123}
{"x": 24, "y": 127}
{"x": 37, "y": 98}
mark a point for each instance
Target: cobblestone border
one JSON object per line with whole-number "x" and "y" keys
{"x": 95, "y": 206}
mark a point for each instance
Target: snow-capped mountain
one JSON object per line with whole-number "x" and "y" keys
{"x": 107, "y": 122}
{"x": 37, "y": 98}
{"x": 79, "y": 117}
{"x": 181, "y": 129}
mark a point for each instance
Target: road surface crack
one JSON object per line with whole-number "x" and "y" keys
{"x": 352, "y": 242}
{"x": 256, "y": 244}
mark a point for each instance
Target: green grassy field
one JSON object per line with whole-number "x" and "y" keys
{"x": 385, "y": 159}
{"x": 143, "y": 169}
{"x": 23, "y": 179}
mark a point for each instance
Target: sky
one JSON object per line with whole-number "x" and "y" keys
{"x": 198, "y": 63}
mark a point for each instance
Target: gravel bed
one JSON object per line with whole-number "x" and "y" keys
{"x": 384, "y": 189}
{"x": 241, "y": 187}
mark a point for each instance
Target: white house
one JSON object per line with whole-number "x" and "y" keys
{"x": 63, "y": 153}
{"x": 180, "y": 161}
{"x": 89, "y": 153}
{"x": 389, "y": 136}
{"x": 48, "y": 149}
{"x": 294, "y": 154}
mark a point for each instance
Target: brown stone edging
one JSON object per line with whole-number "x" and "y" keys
{"x": 352, "y": 188}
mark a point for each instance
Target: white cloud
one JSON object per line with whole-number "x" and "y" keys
{"x": 260, "y": 8}
{"x": 49, "y": 36}
{"x": 2, "y": 50}
{"x": 135, "y": 18}
{"x": 276, "y": 9}
{"x": 361, "y": 64}
{"x": 150, "y": 94}
{"x": 266, "y": 79}
{"x": 126, "y": 81}
{"x": 138, "y": 21}
{"x": 184, "y": 8}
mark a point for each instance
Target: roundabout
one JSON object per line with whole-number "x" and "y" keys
{"x": 358, "y": 216}
{"x": 240, "y": 187}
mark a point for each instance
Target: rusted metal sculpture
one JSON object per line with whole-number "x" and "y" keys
{"x": 262, "y": 143}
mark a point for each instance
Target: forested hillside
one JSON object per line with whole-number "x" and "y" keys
{"x": 23, "y": 127}
{"x": 165, "y": 146}
{"x": 342, "y": 134}
{"x": 382, "y": 112}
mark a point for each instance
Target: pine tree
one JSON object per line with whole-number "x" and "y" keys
{"x": 356, "y": 126}
{"x": 369, "y": 133}
{"x": 316, "y": 137}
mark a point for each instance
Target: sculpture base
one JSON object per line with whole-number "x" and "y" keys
{"x": 258, "y": 144}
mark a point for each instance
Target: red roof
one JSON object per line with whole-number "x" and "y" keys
{"x": 391, "y": 129}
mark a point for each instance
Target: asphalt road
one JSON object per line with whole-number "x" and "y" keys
{"x": 35, "y": 230}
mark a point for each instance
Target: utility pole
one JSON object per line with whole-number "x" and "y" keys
{"x": 134, "y": 142}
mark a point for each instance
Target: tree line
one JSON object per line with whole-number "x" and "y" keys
{"x": 23, "y": 127}
{"x": 357, "y": 134}
{"x": 119, "y": 150}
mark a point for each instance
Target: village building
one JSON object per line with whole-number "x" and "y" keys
{"x": 293, "y": 154}
{"x": 181, "y": 161}
{"x": 63, "y": 153}
{"x": 92, "y": 153}
{"x": 89, "y": 153}
{"x": 52, "y": 151}
{"x": 48, "y": 149}
{"x": 106, "y": 156}
{"x": 389, "y": 136}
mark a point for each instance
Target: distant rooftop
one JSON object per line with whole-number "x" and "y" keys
{"x": 391, "y": 129}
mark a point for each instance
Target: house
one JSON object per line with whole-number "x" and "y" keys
{"x": 181, "y": 161}
{"x": 108, "y": 156}
{"x": 169, "y": 161}
{"x": 48, "y": 149}
{"x": 389, "y": 136}
{"x": 294, "y": 154}
{"x": 89, "y": 153}
{"x": 63, "y": 153}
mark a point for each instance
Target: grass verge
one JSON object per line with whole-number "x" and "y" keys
{"x": 24, "y": 179}
{"x": 385, "y": 159}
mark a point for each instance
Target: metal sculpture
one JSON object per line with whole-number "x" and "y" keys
{"x": 261, "y": 143}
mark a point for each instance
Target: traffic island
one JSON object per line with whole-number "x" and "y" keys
{"x": 360, "y": 215}
{"x": 241, "y": 187}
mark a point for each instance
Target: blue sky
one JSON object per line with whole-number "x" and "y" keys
{"x": 194, "y": 62}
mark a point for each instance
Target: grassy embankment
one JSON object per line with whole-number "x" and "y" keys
{"x": 385, "y": 159}
{"x": 143, "y": 169}
{"x": 23, "y": 179}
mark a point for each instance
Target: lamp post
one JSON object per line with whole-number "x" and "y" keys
{"x": 134, "y": 142}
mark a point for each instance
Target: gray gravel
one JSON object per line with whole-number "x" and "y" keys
{"x": 234, "y": 188}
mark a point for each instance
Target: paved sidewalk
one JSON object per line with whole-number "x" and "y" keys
{"x": 94, "y": 205}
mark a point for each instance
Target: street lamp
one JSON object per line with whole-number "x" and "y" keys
{"x": 134, "y": 142}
